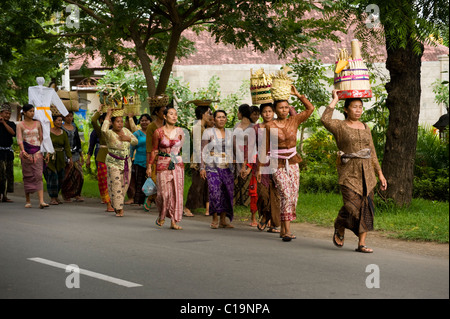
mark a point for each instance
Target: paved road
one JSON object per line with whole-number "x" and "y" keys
{"x": 194, "y": 263}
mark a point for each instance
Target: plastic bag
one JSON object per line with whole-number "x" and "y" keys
{"x": 149, "y": 187}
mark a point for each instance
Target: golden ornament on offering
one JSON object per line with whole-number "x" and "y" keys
{"x": 351, "y": 77}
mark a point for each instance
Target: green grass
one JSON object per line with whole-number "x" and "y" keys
{"x": 423, "y": 220}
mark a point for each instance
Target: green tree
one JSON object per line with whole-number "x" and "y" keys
{"x": 142, "y": 32}
{"x": 310, "y": 79}
{"x": 404, "y": 27}
{"x": 28, "y": 47}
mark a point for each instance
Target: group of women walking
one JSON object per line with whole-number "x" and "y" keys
{"x": 158, "y": 143}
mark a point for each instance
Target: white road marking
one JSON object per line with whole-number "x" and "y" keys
{"x": 85, "y": 272}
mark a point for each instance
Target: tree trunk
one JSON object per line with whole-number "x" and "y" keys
{"x": 403, "y": 102}
{"x": 169, "y": 60}
{"x": 147, "y": 69}
{"x": 146, "y": 63}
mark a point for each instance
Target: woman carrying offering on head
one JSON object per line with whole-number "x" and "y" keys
{"x": 286, "y": 176}
{"x": 55, "y": 170}
{"x": 268, "y": 200}
{"x": 357, "y": 165}
{"x": 73, "y": 180}
{"x": 197, "y": 196}
{"x": 118, "y": 161}
{"x": 102, "y": 171}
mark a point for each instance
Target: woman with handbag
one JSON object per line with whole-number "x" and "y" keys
{"x": 167, "y": 143}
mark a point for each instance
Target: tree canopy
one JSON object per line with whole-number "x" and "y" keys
{"x": 142, "y": 32}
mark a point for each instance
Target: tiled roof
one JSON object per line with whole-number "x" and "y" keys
{"x": 211, "y": 53}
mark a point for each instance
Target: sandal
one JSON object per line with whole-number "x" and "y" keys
{"x": 288, "y": 237}
{"x": 226, "y": 226}
{"x": 273, "y": 230}
{"x": 159, "y": 222}
{"x": 341, "y": 238}
{"x": 42, "y": 205}
{"x": 28, "y": 205}
{"x": 262, "y": 225}
{"x": 147, "y": 205}
{"x": 214, "y": 225}
{"x": 176, "y": 227}
{"x": 291, "y": 236}
{"x": 119, "y": 212}
{"x": 187, "y": 213}
{"x": 364, "y": 249}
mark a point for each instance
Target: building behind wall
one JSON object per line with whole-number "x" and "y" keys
{"x": 233, "y": 66}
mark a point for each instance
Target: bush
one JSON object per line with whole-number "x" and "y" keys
{"x": 320, "y": 153}
{"x": 434, "y": 189}
{"x": 317, "y": 183}
{"x": 431, "y": 175}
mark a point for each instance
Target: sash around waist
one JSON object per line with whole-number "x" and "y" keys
{"x": 345, "y": 157}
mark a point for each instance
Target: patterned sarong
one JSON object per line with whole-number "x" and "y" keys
{"x": 287, "y": 183}
{"x": 221, "y": 189}
{"x": 197, "y": 196}
{"x": 102, "y": 177}
{"x": 169, "y": 199}
{"x": 269, "y": 202}
{"x": 73, "y": 181}
{"x": 357, "y": 212}
{"x": 32, "y": 168}
{"x": 54, "y": 181}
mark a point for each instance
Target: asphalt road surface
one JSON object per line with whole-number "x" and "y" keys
{"x": 130, "y": 257}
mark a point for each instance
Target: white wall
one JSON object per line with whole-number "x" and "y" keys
{"x": 232, "y": 75}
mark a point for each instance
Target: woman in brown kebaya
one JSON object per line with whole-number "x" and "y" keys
{"x": 356, "y": 167}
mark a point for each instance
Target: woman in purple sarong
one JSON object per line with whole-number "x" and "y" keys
{"x": 29, "y": 138}
{"x": 217, "y": 168}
